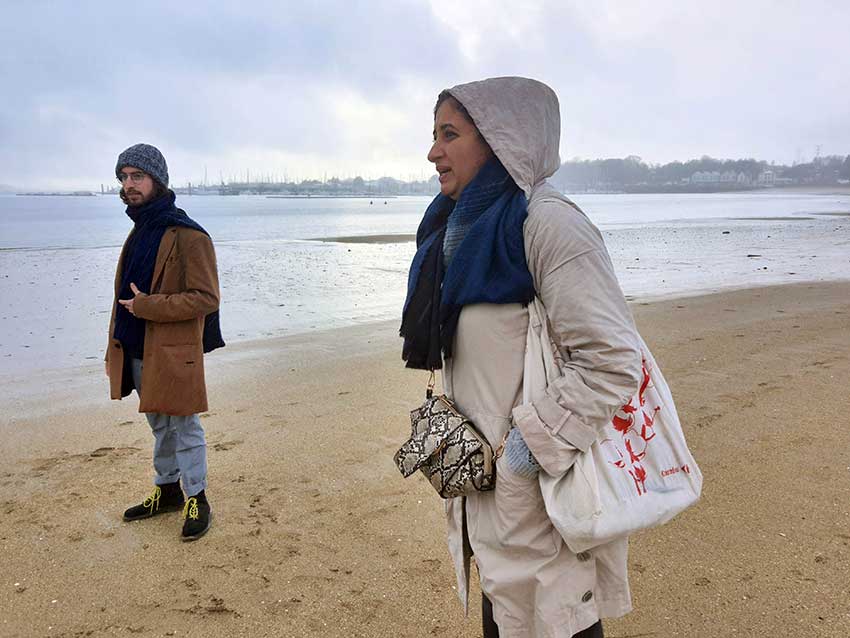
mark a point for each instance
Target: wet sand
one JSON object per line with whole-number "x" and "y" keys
{"x": 316, "y": 533}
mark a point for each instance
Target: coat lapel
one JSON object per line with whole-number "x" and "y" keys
{"x": 165, "y": 248}
{"x": 120, "y": 269}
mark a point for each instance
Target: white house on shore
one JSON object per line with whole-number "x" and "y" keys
{"x": 716, "y": 177}
{"x": 767, "y": 178}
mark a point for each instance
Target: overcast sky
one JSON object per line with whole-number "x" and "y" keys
{"x": 308, "y": 89}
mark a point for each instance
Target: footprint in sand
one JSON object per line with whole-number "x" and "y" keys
{"x": 191, "y": 584}
{"x": 113, "y": 451}
{"x": 224, "y": 446}
{"x": 215, "y": 606}
{"x": 40, "y": 466}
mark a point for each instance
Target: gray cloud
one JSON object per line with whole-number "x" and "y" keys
{"x": 346, "y": 88}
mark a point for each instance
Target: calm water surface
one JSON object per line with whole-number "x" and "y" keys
{"x": 58, "y": 256}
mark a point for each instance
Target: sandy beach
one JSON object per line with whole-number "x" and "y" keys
{"x": 317, "y": 534}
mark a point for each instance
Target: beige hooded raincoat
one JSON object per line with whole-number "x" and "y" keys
{"x": 538, "y": 587}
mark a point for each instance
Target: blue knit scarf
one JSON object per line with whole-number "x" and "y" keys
{"x": 151, "y": 221}
{"x": 467, "y": 252}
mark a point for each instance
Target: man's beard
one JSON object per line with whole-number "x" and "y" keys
{"x": 135, "y": 202}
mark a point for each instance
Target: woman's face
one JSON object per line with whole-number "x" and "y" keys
{"x": 458, "y": 152}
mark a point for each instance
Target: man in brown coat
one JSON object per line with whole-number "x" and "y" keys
{"x": 164, "y": 318}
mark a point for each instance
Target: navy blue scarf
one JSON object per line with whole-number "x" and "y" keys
{"x": 151, "y": 221}
{"x": 487, "y": 265}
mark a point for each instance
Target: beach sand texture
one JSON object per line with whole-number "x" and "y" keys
{"x": 317, "y": 534}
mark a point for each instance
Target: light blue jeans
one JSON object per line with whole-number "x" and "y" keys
{"x": 180, "y": 449}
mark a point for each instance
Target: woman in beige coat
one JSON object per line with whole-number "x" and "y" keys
{"x": 496, "y": 236}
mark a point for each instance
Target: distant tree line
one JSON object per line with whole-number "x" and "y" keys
{"x": 825, "y": 170}
{"x": 632, "y": 171}
{"x": 356, "y": 186}
{"x": 630, "y": 174}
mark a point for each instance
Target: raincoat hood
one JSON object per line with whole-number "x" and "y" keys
{"x": 520, "y": 119}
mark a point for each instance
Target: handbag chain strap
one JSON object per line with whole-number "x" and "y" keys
{"x": 501, "y": 449}
{"x": 429, "y": 393}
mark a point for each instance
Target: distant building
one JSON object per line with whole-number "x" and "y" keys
{"x": 705, "y": 177}
{"x": 767, "y": 178}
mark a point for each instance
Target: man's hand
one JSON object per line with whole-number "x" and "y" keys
{"x": 128, "y": 303}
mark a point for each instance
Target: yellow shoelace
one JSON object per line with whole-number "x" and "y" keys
{"x": 152, "y": 501}
{"x": 190, "y": 509}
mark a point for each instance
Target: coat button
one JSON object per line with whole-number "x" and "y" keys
{"x": 587, "y": 596}
{"x": 583, "y": 556}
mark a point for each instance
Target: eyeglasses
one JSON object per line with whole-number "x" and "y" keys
{"x": 136, "y": 177}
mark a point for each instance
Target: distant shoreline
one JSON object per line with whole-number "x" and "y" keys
{"x": 832, "y": 189}
{"x": 367, "y": 239}
{"x": 331, "y": 196}
{"x": 80, "y": 194}
{"x": 709, "y": 189}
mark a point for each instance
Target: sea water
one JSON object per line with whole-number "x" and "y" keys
{"x": 58, "y": 258}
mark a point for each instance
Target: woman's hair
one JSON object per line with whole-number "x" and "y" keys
{"x": 445, "y": 96}
{"x": 159, "y": 191}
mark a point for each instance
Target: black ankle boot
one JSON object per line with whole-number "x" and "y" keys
{"x": 197, "y": 517}
{"x": 164, "y": 498}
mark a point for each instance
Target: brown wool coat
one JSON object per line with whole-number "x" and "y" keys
{"x": 184, "y": 290}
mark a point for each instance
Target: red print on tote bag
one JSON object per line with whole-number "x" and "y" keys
{"x": 634, "y": 424}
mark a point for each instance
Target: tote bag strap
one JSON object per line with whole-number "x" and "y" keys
{"x": 543, "y": 343}
{"x": 541, "y": 369}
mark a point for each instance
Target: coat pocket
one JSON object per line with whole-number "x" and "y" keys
{"x": 181, "y": 362}
{"x": 521, "y": 520}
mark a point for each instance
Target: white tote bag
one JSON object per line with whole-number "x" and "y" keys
{"x": 639, "y": 472}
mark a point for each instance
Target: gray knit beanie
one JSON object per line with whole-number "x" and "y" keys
{"x": 147, "y": 158}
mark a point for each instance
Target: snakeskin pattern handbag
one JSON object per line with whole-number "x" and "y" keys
{"x": 447, "y": 448}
